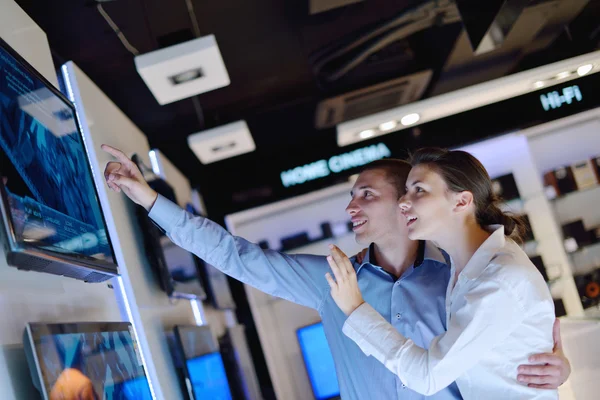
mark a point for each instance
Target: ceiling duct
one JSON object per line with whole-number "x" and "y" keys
{"x": 372, "y": 99}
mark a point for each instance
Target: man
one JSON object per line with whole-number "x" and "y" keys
{"x": 404, "y": 281}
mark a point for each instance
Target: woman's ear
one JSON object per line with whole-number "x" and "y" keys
{"x": 462, "y": 200}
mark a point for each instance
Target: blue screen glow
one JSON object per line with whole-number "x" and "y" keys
{"x": 102, "y": 365}
{"x": 208, "y": 377}
{"x": 53, "y": 202}
{"x": 319, "y": 361}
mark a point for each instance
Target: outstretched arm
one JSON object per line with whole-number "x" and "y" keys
{"x": 297, "y": 278}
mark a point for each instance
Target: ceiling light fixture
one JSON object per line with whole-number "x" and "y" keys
{"x": 410, "y": 119}
{"x": 366, "y": 134}
{"x": 584, "y": 69}
{"x": 388, "y": 126}
{"x": 539, "y": 84}
{"x": 563, "y": 75}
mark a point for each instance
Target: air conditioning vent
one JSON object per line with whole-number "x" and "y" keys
{"x": 372, "y": 99}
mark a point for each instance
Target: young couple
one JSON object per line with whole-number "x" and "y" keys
{"x": 445, "y": 326}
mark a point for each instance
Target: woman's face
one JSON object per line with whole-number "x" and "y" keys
{"x": 428, "y": 204}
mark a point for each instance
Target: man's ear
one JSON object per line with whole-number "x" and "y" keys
{"x": 462, "y": 200}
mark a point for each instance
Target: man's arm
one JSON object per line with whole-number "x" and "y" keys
{"x": 553, "y": 369}
{"x": 298, "y": 278}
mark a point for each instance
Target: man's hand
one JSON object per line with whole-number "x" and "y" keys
{"x": 553, "y": 369}
{"x": 124, "y": 175}
{"x": 344, "y": 289}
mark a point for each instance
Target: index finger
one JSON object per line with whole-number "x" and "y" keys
{"x": 118, "y": 154}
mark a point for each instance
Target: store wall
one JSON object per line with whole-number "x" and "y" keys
{"x": 152, "y": 312}
{"x": 31, "y": 296}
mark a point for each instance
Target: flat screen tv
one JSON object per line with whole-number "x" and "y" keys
{"x": 52, "y": 216}
{"x": 318, "y": 361}
{"x": 177, "y": 269}
{"x": 205, "y": 373}
{"x": 95, "y": 361}
{"x": 239, "y": 365}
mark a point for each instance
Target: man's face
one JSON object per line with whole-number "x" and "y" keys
{"x": 374, "y": 208}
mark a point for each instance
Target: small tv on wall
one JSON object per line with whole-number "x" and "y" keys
{"x": 90, "y": 360}
{"x": 52, "y": 217}
{"x": 176, "y": 269}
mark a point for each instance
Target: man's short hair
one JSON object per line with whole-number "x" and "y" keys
{"x": 396, "y": 171}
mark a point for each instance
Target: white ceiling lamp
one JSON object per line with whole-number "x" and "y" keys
{"x": 471, "y": 97}
{"x": 222, "y": 142}
{"x": 410, "y": 119}
{"x": 584, "y": 69}
{"x": 366, "y": 134}
{"x": 563, "y": 75}
{"x": 183, "y": 70}
{"x": 388, "y": 126}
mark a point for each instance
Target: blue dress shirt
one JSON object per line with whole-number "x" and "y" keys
{"x": 414, "y": 304}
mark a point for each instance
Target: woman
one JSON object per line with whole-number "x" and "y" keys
{"x": 499, "y": 309}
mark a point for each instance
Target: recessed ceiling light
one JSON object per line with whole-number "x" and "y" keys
{"x": 388, "y": 126}
{"x": 539, "y": 84}
{"x": 410, "y": 119}
{"x": 366, "y": 134}
{"x": 584, "y": 69}
{"x": 563, "y": 75}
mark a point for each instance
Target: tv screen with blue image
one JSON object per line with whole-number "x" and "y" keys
{"x": 51, "y": 199}
{"x": 94, "y": 363}
{"x": 208, "y": 378}
{"x": 319, "y": 361}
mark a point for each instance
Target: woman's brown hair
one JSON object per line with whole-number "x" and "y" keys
{"x": 463, "y": 172}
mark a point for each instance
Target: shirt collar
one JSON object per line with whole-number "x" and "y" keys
{"x": 426, "y": 251}
{"x": 486, "y": 252}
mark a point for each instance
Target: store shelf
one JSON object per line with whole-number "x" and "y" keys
{"x": 574, "y": 194}
{"x": 592, "y": 312}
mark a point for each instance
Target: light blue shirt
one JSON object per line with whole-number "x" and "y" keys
{"x": 413, "y": 304}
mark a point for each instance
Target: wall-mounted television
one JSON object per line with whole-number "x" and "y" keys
{"x": 49, "y": 204}
{"x": 177, "y": 269}
{"x": 318, "y": 361}
{"x": 86, "y": 361}
{"x": 239, "y": 365}
{"x": 205, "y": 374}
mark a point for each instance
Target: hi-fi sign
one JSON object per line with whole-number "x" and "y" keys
{"x": 556, "y": 99}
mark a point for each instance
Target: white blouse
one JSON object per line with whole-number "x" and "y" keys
{"x": 498, "y": 313}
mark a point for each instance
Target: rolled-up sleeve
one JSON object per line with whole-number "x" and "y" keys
{"x": 490, "y": 315}
{"x": 297, "y": 278}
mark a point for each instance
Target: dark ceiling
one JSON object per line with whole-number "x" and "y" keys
{"x": 270, "y": 49}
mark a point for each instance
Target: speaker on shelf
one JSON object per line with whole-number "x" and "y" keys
{"x": 326, "y": 230}
{"x": 539, "y": 264}
{"x": 589, "y": 288}
{"x": 506, "y": 187}
{"x": 559, "y": 308}
{"x": 561, "y": 180}
{"x": 596, "y": 165}
{"x": 576, "y": 235}
{"x": 294, "y": 241}
{"x": 584, "y": 174}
